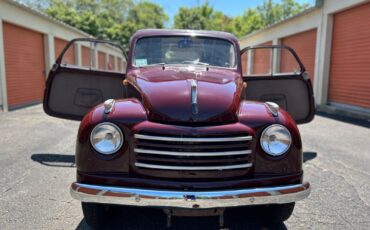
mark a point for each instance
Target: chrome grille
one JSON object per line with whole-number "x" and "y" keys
{"x": 200, "y": 153}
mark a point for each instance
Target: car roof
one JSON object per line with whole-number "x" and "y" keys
{"x": 179, "y": 32}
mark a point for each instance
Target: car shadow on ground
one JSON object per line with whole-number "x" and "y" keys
{"x": 54, "y": 159}
{"x": 349, "y": 120}
{"x": 145, "y": 218}
{"x": 307, "y": 156}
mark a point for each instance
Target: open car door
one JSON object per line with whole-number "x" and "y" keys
{"x": 87, "y": 72}
{"x": 276, "y": 74}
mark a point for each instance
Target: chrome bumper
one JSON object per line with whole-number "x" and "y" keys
{"x": 188, "y": 199}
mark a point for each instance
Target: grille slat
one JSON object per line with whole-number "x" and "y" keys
{"x": 192, "y": 139}
{"x": 191, "y": 147}
{"x": 191, "y": 168}
{"x": 191, "y": 160}
{"x": 192, "y": 153}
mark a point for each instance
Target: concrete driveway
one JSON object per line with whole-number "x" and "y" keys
{"x": 37, "y": 167}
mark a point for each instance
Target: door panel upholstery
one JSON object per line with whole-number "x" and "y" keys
{"x": 290, "y": 88}
{"x": 293, "y": 94}
{"x": 72, "y": 93}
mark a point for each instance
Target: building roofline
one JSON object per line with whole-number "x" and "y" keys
{"x": 307, "y": 11}
{"x": 47, "y": 17}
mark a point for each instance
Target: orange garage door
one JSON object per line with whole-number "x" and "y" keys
{"x": 101, "y": 60}
{"x": 24, "y": 64}
{"x": 85, "y": 53}
{"x": 304, "y": 45}
{"x": 244, "y": 60}
{"x": 119, "y": 63}
{"x": 69, "y": 56}
{"x": 111, "y": 65}
{"x": 349, "y": 81}
{"x": 262, "y": 60}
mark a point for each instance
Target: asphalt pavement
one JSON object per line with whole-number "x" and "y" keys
{"x": 37, "y": 167}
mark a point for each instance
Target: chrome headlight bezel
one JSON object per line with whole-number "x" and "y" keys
{"x": 116, "y": 148}
{"x": 267, "y": 150}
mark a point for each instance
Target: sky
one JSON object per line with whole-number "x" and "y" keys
{"x": 228, "y": 7}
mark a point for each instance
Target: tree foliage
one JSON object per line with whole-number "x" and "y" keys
{"x": 147, "y": 15}
{"x": 117, "y": 20}
{"x": 250, "y": 21}
{"x": 205, "y": 18}
{"x": 197, "y": 18}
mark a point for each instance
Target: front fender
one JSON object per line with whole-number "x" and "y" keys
{"x": 125, "y": 114}
{"x": 257, "y": 116}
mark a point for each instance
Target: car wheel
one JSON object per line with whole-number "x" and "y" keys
{"x": 95, "y": 214}
{"x": 275, "y": 213}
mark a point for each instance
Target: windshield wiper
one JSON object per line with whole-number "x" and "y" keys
{"x": 154, "y": 64}
{"x": 195, "y": 63}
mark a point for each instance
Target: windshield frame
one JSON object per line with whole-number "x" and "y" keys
{"x": 232, "y": 43}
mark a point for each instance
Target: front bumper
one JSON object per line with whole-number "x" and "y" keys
{"x": 189, "y": 199}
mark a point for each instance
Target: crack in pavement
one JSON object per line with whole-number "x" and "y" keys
{"x": 20, "y": 179}
{"x": 350, "y": 168}
{"x": 344, "y": 179}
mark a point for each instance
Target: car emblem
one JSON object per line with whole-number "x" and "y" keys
{"x": 194, "y": 96}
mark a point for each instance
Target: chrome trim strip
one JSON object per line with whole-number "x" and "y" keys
{"x": 210, "y": 154}
{"x": 189, "y": 199}
{"x": 194, "y": 96}
{"x": 168, "y": 167}
{"x": 189, "y": 139}
{"x": 274, "y": 74}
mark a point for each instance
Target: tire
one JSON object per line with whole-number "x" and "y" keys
{"x": 95, "y": 214}
{"x": 275, "y": 213}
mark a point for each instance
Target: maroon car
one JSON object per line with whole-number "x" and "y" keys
{"x": 184, "y": 129}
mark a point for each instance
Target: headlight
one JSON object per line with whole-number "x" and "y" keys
{"x": 275, "y": 140}
{"x": 106, "y": 138}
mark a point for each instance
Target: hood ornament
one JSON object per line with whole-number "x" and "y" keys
{"x": 194, "y": 96}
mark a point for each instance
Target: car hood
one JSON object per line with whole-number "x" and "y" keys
{"x": 167, "y": 93}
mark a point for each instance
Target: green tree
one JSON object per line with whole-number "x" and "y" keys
{"x": 147, "y": 15}
{"x": 64, "y": 11}
{"x": 290, "y": 8}
{"x": 197, "y": 18}
{"x": 269, "y": 12}
{"x": 274, "y": 12}
{"x": 71, "y": 13}
{"x": 250, "y": 21}
{"x": 202, "y": 17}
{"x": 141, "y": 15}
{"x": 221, "y": 22}
{"x": 116, "y": 20}
{"x": 264, "y": 15}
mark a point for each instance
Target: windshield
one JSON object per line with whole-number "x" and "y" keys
{"x": 184, "y": 50}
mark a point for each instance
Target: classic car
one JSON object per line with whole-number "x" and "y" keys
{"x": 186, "y": 128}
